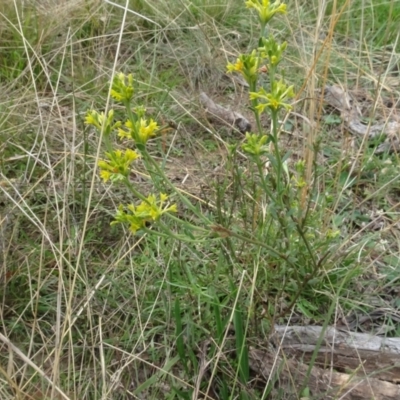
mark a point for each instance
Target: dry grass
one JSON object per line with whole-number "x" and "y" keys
{"x": 86, "y": 309}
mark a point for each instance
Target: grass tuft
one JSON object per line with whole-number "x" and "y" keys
{"x": 305, "y": 234}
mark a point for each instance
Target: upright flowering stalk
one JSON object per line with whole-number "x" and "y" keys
{"x": 248, "y": 66}
{"x": 265, "y": 59}
{"x": 137, "y": 127}
{"x": 266, "y": 10}
{"x": 116, "y": 166}
{"x": 275, "y": 97}
{"x": 271, "y": 98}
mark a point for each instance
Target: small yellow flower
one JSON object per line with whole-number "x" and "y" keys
{"x": 247, "y": 65}
{"x": 146, "y": 130}
{"x": 172, "y": 208}
{"x": 118, "y": 164}
{"x": 123, "y": 134}
{"x": 105, "y": 175}
{"x": 104, "y": 165}
{"x": 149, "y": 210}
{"x": 92, "y": 118}
{"x": 101, "y": 121}
{"x": 163, "y": 197}
{"x": 122, "y": 87}
{"x": 130, "y": 155}
{"x": 140, "y": 131}
{"x": 265, "y": 9}
{"x": 275, "y": 100}
{"x": 238, "y": 66}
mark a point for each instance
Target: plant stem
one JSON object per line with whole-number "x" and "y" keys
{"x": 254, "y": 103}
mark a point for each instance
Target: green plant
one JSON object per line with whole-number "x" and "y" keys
{"x": 175, "y": 309}
{"x": 274, "y": 212}
{"x": 117, "y": 167}
{"x": 282, "y": 209}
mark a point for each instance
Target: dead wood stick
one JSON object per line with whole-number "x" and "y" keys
{"x": 373, "y": 362}
{"x": 221, "y": 114}
{"x": 351, "y": 115}
{"x": 329, "y": 384}
{"x": 379, "y": 356}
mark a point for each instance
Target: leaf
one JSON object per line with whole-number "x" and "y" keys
{"x": 332, "y": 119}
{"x": 241, "y": 347}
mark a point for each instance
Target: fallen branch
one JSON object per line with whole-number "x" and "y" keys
{"x": 351, "y": 115}
{"x": 374, "y": 363}
{"x": 221, "y": 114}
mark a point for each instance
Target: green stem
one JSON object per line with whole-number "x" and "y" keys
{"x": 263, "y": 180}
{"x": 188, "y": 224}
{"x": 271, "y": 75}
{"x": 254, "y": 103}
{"x": 277, "y": 153}
{"x": 263, "y": 30}
{"x": 169, "y": 234}
{"x": 107, "y": 142}
{"x": 134, "y": 191}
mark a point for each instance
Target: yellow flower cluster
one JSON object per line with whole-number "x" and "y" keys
{"x": 272, "y": 50}
{"x": 118, "y": 164}
{"x": 139, "y": 128}
{"x": 265, "y": 9}
{"x": 149, "y": 210}
{"x": 255, "y": 144}
{"x": 140, "y": 131}
{"x": 276, "y": 98}
{"x": 247, "y": 65}
{"x": 122, "y": 88}
{"x": 102, "y": 122}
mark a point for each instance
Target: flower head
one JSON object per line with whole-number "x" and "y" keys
{"x": 255, "y": 144}
{"x": 140, "y": 131}
{"x": 146, "y": 130}
{"x": 272, "y": 50}
{"x": 118, "y": 164}
{"x": 102, "y": 122}
{"x": 122, "y": 87}
{"x": 247, "y": 65}
{"x": 266, "y": 10}
{"x": 149, "y": 210}
{"x": 274, "y": 100}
